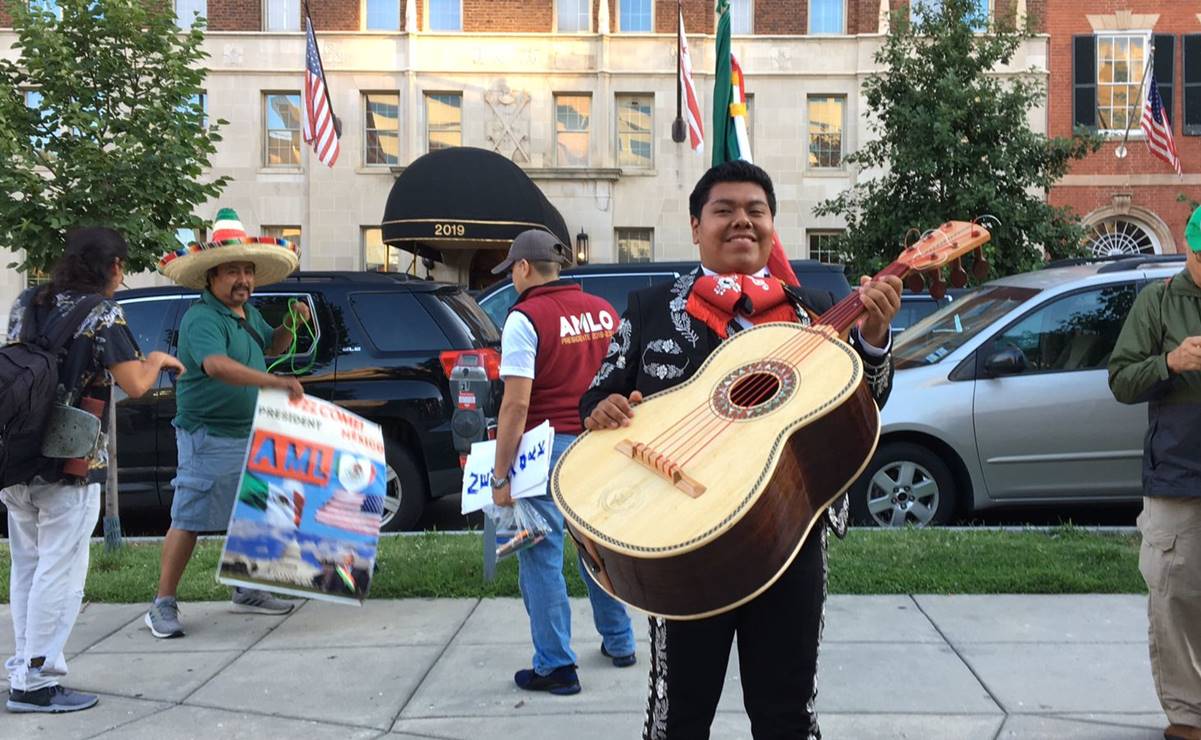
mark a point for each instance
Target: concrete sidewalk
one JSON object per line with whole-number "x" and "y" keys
{"x": 929, "y": 667}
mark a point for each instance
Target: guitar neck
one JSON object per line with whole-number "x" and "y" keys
{"x": 846, "y": 312}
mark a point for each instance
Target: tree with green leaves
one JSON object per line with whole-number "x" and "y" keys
{"x": 951, "y": 141}
{"x": 101, "y": 123}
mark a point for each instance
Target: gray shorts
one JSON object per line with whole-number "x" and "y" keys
{"x": 206, "y": 481}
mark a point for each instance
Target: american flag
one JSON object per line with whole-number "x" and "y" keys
{"x": 692, "y": 112}
{"x": 1156, "y": 126}
{"x": 352, "y": 512}
{"x": 319, "y": 127}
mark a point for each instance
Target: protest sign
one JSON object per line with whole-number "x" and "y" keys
{"x": 306, "y": 520}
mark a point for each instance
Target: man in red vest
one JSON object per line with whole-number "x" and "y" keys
{"x": 552, "y": 344}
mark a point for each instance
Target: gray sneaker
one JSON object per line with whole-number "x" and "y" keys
{"x": 49, "y": 700}
{"x": 253, "y": 601}
{"x": 163, "y": 618}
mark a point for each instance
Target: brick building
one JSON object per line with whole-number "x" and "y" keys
{"x": 581, "y": 96}
{"x": 1098, "y": 53}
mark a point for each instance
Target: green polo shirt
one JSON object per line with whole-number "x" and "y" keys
{"x": 210, "y": 328}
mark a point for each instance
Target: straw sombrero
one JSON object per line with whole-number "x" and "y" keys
{"x": 274, "y": 259}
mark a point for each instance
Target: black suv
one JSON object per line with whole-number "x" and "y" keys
{"x": 384, "y": 347}
{"x": 615, "y": 282}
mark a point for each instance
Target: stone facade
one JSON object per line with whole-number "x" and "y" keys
{"x": 508, "y": 78}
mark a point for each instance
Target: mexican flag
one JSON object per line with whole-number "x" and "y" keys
{"x": 730, "y": 140}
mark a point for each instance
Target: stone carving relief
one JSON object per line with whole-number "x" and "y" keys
{"x": 232, "y": 55}
{"x": 508, "y": 126}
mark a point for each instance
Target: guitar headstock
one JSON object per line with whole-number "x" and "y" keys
{"x": 937, "y": 248}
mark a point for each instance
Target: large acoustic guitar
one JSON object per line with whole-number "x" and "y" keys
{"x": 706, "y": 497}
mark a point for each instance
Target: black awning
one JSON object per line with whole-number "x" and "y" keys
{"x": 465, "y": 198}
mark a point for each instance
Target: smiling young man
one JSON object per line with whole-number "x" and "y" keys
{"x": 665, "y": 335}
{"x": 222, "y": 341}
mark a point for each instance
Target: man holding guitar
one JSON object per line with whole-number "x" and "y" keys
{"x": 664, "y": 337}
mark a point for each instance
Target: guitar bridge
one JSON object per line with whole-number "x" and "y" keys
{"x": 662, "y": 465}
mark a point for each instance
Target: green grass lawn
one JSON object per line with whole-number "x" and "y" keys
{"x": 936, "y": 561}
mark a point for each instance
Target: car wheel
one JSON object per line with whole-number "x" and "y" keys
{"x": 405, "y": 498}
{"x": 904, "y": 484}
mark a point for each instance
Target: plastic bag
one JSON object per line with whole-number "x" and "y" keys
{"x": 518, "y": 527}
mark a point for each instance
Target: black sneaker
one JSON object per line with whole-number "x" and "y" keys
{"x": 562, "y": 680}
{"x": 621, "y": 661}
{"x": 50, "y": 700}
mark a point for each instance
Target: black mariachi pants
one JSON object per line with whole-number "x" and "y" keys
{"x": 778, "y": 635}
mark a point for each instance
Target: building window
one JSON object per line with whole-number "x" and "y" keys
{"x": 443, "y": 120}
{"x": 573, "y": 16}
{"x": 291, "y": 233}
{"x": 380, "y": 257}
{"x": 742, "y": 17}
{"x": 1121, "y": 60}
{"x": 635, "y": 16}
{"x": 635, "y": 245}
{"x": 186, "y": 236}
{"x": 282, "y": 119}
{"x": 572, "y": 114}
{"x": 821, "y": 247}
{"x": 187, "y": 10}
{"x": 980, "y": 11}
{"x": 826, "y": 117}
{"x": 47, "y": 6}
{"x": 445, "y": 15}
{"x": 200, "y": 102}
{"x": 381, "y": 129}
{"x": 382, "y": 15}
{"x": 635, "y": 131}
{"x": 750, "y": 121}
{"x": 283, "y": 15}
{"x": 1116, "y": 236}
{"x": 826, "y": 16}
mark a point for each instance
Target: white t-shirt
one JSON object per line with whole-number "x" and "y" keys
{"x": 518, "y": 346}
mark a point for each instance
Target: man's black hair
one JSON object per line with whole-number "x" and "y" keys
{"x": 735, "y": 170}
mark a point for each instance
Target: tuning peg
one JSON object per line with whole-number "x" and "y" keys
{"x": 980, "y": 265}
{"x": 958, "y": 275}
{"x": 938, "y": 288}
{"x": 915, "y": 282}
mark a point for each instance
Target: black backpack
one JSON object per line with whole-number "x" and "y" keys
{"x": 29, "y": 388}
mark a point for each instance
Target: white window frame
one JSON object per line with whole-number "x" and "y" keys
{"x": 186, "y": 23}
{"x": 425, "y": 113}
{"x": 267, "y": 17}
{"x": 587, "y": 15}
{"x": 403, "y": 254}
{"x": 617, "y": 242}
{"x": 913, "y": 6}
{"x": 1137, "y": 101}
{"x": 363, "y": 98}
{"x": 809, "y": 234}
{"x": 426, "y": 19}
{"x": 363, "y": 15}
{"x": 652, "y": 13}
{"x": 554, "y": 125}
{"x": 842, "y": 138}
{"x": 751, "y": 19}
{"x": 809, "y": 22}
{"x": 265, "y": 130}
{"x": 617, "y": 101}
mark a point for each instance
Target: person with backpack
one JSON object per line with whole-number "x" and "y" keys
{"x": 1157, "y": 361}
{"x": 68, "y": 343}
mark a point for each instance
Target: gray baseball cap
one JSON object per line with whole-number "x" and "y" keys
{"x": 535, "y": 245}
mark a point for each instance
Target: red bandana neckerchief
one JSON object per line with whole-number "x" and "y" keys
{"x": 718, "y": 299}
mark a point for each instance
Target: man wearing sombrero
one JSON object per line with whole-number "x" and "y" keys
{"x": 222, "y": 341}
{"x": 1157, "y": 360}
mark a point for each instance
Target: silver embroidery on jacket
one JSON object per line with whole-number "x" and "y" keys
{"x": 619, "y": 347}
{"x": 678, "y": 308}
{"x": 655, "y": 727}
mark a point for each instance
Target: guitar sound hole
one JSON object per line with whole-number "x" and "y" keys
{"x": 754, "y": 390}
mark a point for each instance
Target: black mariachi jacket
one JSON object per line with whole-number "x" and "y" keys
{"x": 658, "y": 345}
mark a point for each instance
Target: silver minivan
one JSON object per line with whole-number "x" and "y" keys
{"x": 1002, "y": 398}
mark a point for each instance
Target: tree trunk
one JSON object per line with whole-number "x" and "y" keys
{"x": 112, "y": 509}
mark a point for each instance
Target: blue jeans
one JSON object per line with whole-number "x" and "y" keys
{"x": 544, "y": 591}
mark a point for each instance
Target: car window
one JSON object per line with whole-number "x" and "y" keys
{"x": 274, "y": 307}
{"x": 913, "y": 311}
{"x": 615, "y": 289}
{"x": 497, "y": 304}
{"x": 147, "y": 318}
{"x": 396, "y": 322}
{"x": 463, "y": 308}
{"x": 948, "y": 328}
{"x": 1074, "y": 332}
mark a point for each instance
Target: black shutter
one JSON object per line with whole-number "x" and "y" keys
{"x": 1192, "y": 85}
{"x": 1084, "y": 81}
{"x": 1165, "y": 72}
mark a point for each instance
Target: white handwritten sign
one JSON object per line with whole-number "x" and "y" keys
{"x": 528, "y": 475}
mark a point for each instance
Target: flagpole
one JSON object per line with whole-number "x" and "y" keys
{"x": 678, "y": 133}
{"x": 1120, "y": 152}
{"x": 325, "y": 85}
